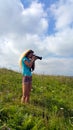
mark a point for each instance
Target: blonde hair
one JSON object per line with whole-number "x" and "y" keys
{"x": 26, "y": 53}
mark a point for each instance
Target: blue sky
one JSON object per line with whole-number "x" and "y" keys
{"x": 45, "y": 2}
{"x": 45, "y": 26}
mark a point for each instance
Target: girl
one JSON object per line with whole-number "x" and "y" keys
{"x": 27, "y": 63}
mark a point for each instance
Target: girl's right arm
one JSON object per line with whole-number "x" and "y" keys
{"x": 29, "y": 64}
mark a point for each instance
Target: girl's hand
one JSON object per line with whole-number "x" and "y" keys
{"x": 34, "y": 57}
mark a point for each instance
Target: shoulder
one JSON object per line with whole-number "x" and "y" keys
{"x": 25, "y": 59}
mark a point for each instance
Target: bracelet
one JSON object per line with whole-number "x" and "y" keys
{"x": 32, "y": 61}
{"x": 23, "y": 96}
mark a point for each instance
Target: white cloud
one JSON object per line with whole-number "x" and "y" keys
{"x": 62, "y": 12}
{"x": 34, "y": 19}
{"x": 55, "y": 66}
{"x": 25, "y": 28}
{"x": 10, "y": 12}
{"x": 61, "y": 43}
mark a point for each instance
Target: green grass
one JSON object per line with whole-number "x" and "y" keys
{"x": 51, "y": 103}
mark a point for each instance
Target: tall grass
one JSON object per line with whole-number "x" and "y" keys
{"x": 50, "y": 108}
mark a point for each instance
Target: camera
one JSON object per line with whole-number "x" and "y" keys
{"x": 38, "y": 57}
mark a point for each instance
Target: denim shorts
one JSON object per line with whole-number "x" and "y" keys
{"x": 27, "y": 79}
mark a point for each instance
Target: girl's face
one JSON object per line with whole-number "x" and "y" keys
{"x": 30, "y": 55}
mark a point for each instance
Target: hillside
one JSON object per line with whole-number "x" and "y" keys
{"x": 50, "y": 108}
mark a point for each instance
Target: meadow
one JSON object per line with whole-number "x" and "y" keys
{"x": 50, "y": 107}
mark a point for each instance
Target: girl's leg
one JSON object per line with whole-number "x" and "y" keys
{"x": 25, "y": 92}
{"x": 29, "y": 90}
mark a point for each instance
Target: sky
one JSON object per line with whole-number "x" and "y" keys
{"x": 45, "y": 26}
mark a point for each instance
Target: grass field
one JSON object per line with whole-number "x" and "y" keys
{"x": 51, "y": 103}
